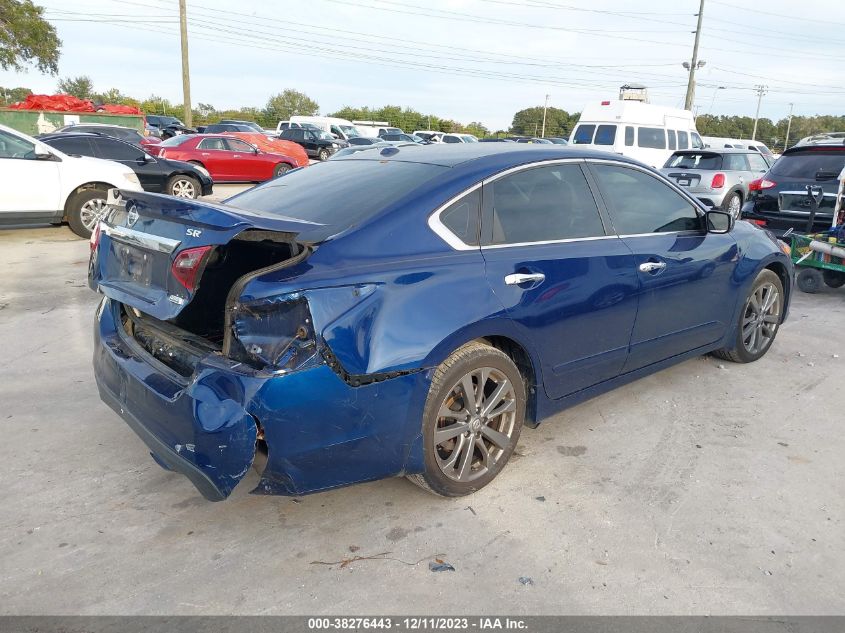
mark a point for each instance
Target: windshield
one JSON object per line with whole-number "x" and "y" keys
{"x": 350, "y": 190}
{"x": 699, "y": 160}
{"x": 324, "y": 135}
{"x": 469, "y": 138}
{"x": 349, "y": 130}
{"x": 809, "y": 164}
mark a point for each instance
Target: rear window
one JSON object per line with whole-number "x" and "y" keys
{"x": 605, "y": 135}
{"x": 698, "y": 160}
{"x": 809, "y": 165}
{"x": 653, "y": 137}
{"x": 339, "y": 193}
{"x": 583, "y": 135}
{"x": 174, "y": 141}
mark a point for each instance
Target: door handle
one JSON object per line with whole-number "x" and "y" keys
{"x": 652, "y": 267}
{"x": 516, "y": 279}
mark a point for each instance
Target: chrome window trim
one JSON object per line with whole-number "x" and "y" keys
{"x": 561, "y": 241}
{"x": 137, "y": 238}
{"x": 442, "y": 231}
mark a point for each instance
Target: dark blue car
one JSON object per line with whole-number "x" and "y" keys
{"x": 406, "y": 311}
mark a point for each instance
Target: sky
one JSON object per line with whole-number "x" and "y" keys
{"x": 468, "y": 60}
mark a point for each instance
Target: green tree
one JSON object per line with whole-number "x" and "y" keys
{"x": 27, "y": 38}
{"x": 288, "y": 103}
{"x": 80, "y": 87}
{"x": 529, "y": 122}
{"x": 8, "y": 96}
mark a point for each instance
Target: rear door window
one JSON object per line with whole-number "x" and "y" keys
{"x": 209, "y": 143}
{"x": 605, "y": 135}
{"x": 651, "y": 137}
{"x": 236, "y": 145}
{"x": 78, "y": 146}
{"x": 461, "y": 217}
{"x": 584, "y": 135}
{"x": 734, "y": 162}
{"x": 115, "y": 150}
{"x": 543, "y": 204}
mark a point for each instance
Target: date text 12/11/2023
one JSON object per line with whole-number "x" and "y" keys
{"x": 417, "y": 623}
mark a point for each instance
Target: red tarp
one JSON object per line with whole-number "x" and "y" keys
{"x": 67, "y": 103}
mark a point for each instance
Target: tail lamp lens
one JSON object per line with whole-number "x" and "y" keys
{"x": 760, "y": 184}
{"x": 188, "y": 264}
{"x": 718, "y": 181}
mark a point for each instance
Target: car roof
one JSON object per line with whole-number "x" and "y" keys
{"x": 837, "y": 146}
{"x": 493, "y": 154}
{"x": 63, "y": 135}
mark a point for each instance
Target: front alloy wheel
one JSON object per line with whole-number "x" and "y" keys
{"x": 472, "y": 420}
{"x": 184, "y": 189}
{"x": 759, "y": 320}
{"x": 734, "y": 205}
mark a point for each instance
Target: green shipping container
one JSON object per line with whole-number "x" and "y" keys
{"x": 35, "y": 122}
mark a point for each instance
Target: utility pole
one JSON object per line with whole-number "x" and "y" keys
{"x": 545, "y": 107}
{"x": 186, "y": 73}
{"x": 694, "y": 64}
{"x": 788, "y": 126}
{"x": 761, "y": 90}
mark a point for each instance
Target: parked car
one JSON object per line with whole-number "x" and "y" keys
{"x": 364, "y": 140}
{"x": 317, "y": 144}
{"x": 432, "y": 136}
{"x": 406, "y": 138}
{"x": 219, "y": 128}
{"x": 226, "y": 158}
{"x": 717, "y": 177}
{"x": 177, "y": 178}
{"x": 353, "y": 149}
{"x": 41, "y": 184}
{"x": 458, "y": 138}
{"x": 375, "y": 128}
{"x": 127, "y": 134}
{"x": 285, "y": 125}
{"x": 302, "y": 323}
{"x": 534, "y": 139}
{"x": 646, "y": 132}
{"x": 557, "y": 141}
{"x": 339, "y": 128}
{"x": 495, "y": 139}
{"x": 274, "y": 145}
{"x": 168, "y": 126}
{"x": 250, "y": 124}
{"x": 721, "y": 142}
{"x": 780, "y": 200}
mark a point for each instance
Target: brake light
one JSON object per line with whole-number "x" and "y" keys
{"x": 605, "y": 102}
{"x": 759, "y": 222}
{"x": 718, "y": 181}
{"x": 188, "y": 264}
{"x": 95, "y": 237}
{"x": 760, "y": 184}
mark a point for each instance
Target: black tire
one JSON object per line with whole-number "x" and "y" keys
{"x": 75, "y": 213}
{"x": 729, "y": 200}
{"x": 833, "y": 278}
{"x": 323, "y": 155}
{"x": 281, "y": 169}
{"x": 809, "y": 280}
{"x": 184, "y": 186}
{"x": 472, "y": 357}
{"x": 750, "y": 321}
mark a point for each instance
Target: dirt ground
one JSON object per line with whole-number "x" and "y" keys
{"x": 708, "y": 488}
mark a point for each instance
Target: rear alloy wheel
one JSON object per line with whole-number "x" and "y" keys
{"x": 733, "y": 205}
{"x": 472, "y": 420}
{"x": 323, "y": 155}
{"x": 758, "y": 321}
{"x": 84, "y": 209}
{"x": 281, "y": 169}
{"x": 809, "y": 280}
{"x": 833, "y": 278}
{"x": 183, "y": 187}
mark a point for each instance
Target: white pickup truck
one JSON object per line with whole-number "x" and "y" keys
{"x": 39, "y": 184}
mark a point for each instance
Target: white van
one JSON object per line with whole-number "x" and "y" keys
{"x": 373, "y": 129}
{"x": 645, "y": 132}
{"x": 341, "y": 128}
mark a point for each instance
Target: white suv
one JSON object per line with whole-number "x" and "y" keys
{"x": 40, "y": 184}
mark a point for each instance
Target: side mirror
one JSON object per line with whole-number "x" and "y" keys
{"x": 719, "y": 222}
{"x": 255, "y": 150}
{"x": 44, "y": 155}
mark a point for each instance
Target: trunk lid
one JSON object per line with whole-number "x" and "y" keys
{"x": 133, "y": 258}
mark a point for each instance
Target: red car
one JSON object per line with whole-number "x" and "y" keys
{"x": 226, "y": 158}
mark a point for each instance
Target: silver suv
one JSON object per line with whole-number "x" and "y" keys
{"x": 717, "y": 177}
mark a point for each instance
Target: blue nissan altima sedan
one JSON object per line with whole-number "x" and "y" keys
{"x": 407, "y": 311}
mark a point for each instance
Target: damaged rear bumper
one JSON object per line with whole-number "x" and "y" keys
{"x": 320, "y": 431}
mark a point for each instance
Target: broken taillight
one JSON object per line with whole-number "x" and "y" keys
{"x": 188, "y": 264}
{"x": 95, "y": 237}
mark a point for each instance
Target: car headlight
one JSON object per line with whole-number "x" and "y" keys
{"x": 202, "y": 170}
{"x": 132, "y": 177}
{"x": 335, "y": 145}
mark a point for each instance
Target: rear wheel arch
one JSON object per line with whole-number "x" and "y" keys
{"x": 104, "y": 186}
{"x": 783, "y": 274}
